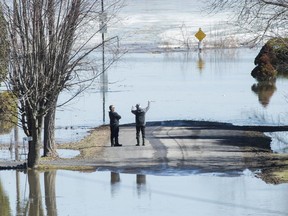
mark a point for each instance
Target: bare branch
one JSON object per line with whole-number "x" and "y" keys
{"x": 263, "y": 18}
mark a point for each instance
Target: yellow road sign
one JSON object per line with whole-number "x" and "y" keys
{"x": 200, "y": 35}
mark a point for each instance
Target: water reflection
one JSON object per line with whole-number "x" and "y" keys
{"x": 140, "y": 179}
{"x": 115, "y": 183}
{"x": 200, "y": 62}
{"x": 265, "y": 91}
{"x": 50, "y": 192}
{"x": 20, "y": 203}
{"x": 34, "y": 205}
{"x": 4, "y": 202}
{"x": 141, "y": 184}
{"x": 78, "y": 193}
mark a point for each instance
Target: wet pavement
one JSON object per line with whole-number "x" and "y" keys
{"x": 193, "y": 147}
{"x": 188, "y": 148}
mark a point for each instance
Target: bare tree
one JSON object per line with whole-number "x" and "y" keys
{"x": 258, "y": 18}
{"x": 53, "y": 46}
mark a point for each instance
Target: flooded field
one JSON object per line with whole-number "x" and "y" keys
{"x": 108, "y": 193}
{"x": 214, "y": 85}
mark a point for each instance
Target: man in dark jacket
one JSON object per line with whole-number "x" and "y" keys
{"x": 140, "y": 121}
{"x": 114, "y": 126}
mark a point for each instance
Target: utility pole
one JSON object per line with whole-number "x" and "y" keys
{"x": 103, "y": 59}
{"x": 103, "y": 30}
{"x": 103, "y": 24}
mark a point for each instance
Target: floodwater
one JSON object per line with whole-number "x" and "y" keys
{"x": 21, "y": 154}
{"x": 214, "y": 85}
{"x": 108, "y": 193}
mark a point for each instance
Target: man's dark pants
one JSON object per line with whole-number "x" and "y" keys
{"x": 114, "y": 134}
{"x": 138, "y": 130}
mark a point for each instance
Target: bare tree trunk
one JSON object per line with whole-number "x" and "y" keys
{"x": 35, "y": 143}
{"x": 50, "y": 194}
{"x": 49, "y": 133}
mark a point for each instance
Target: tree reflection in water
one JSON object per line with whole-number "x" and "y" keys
{"x": 35, "y": 201}
{"x": 34, "y": 206}
{"x": 265, "y": 91}
{"x": 20, "y": 204}
{"x": 4, "y": 202}
{"x": 50, "y": 192}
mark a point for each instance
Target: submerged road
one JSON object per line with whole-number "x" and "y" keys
{"x": 187, "y": 148}
{"x": 176, "y": 147}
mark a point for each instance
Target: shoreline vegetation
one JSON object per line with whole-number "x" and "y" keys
{"x": 180, "y": 49}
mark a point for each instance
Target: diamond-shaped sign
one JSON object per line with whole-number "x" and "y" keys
{"x": 200, "y": 35}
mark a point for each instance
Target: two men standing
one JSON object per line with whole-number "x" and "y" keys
{"x": 139, "y": 113}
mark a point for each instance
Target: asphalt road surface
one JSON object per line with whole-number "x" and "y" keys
{"x": 174, "y": 148}
{"x": 179, "y": 147}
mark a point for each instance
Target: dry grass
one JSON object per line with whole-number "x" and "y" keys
{"x": 91, "y": 145}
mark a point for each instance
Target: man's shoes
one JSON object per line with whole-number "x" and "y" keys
{"x": 118, "y": 144}
{"x": 137, "y": 144}
{"x": 143, "y": 144}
